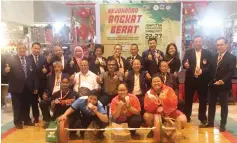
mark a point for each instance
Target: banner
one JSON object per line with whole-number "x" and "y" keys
{"x": 126, "y": 24}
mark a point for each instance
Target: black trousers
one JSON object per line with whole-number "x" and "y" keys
{"x": 134, "y": 121}
{"x": 105, "y": 99}
{"x": 44, "y": 106}
{"x": 21, "y": 106}
{"x": 222, "y": 94}
{"x": 141, "y": 100}
{"x": 202, "y": 97}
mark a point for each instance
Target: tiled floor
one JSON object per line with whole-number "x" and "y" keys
{"x": 192, "y": 133}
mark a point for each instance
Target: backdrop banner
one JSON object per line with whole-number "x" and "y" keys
{"x": 126, "y": 24}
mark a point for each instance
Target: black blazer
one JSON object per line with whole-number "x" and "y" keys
{"x": 174, "y": 65}
{"x": 41, "y": 77}
{"x": 66, "y": 62}
{"x": 16, "y": 76}
{"x": 95, "y": 68}
{"x": 51, "y": 82}
{"x": 125, "y": 64}
{"x": 224, "y": 71}
{"x": 205, "y": 65}
{"x": 74, "y": 68}
{"x": 130, "y": 58}
{"x": 150, "y": 65}
{"x": 143, "y": 81}
{"x": 171, "y": 81}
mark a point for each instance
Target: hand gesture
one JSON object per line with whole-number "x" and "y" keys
{"x": 94, "y": 109}
{"x": 44, "y": 70}
{"x": 7, "y": 69}
{"x": 97, "y": 61}
{"x": 99, "y": 80}
{"x": 120, "y": 104}
{"x": 45, "y": 97}
{"x": 71, "y": 63}
{"x": 48, "y": 58}
{"x": 126, "y": 75}
{"x": 148, "y": 76}
{"x": 149, "y": 57}
{"x": 53, "y": 103}
{"x": 186, "y": 65}
{"x": 35, "y": 91}
{"x": 219, "y": 82}
{"x": 62, "y": 118}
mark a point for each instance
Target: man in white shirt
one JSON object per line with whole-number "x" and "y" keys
{"x": 85, "y": 78}
{"x": 197, "y": 62}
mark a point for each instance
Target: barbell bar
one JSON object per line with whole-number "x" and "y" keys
{"x": 110, "y": 129}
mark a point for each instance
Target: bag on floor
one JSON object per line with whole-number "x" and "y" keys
{"x": 52, "y": 136}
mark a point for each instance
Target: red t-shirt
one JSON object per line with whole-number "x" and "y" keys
{"x": 134, "y": 102}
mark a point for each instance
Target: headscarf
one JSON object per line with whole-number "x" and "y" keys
{"x": 78, "y": 59}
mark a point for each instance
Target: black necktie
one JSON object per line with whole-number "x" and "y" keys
{"x": 24, "y": 66}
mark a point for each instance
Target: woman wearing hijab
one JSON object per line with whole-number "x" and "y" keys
{"x": 78, "y": 55}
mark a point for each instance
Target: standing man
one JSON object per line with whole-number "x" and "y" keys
{"x": 223, "y": 68}
{"x": 42, "y": 69}
{"x": 152, "y": 57}
{"x": 197, "y": 62}
{"x": 121, "y": 62}
{"x": 22, "y": 84}
{"x": 134, "y": 55}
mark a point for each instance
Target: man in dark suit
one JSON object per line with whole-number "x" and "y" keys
{"x": 197, "y": 62}
{"x": 122, "y": 64}
{"x": 152, "y": 57}
{"x": 42, "y": 69}
{"x": 224, "y": 64}
{"x": 52, "y": 86}
{"x": 22, "y": 84}
{"x": 134, "y": 55}
{"x": 168, "y": 78}
{"x": 60, "y": 57}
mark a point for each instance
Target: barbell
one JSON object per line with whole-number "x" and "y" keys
{"x": 158, "y": 129}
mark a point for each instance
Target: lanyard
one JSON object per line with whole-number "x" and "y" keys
{"x": 64, "y": 95}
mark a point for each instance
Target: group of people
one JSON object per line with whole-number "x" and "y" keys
{"x": 86, "y": 89}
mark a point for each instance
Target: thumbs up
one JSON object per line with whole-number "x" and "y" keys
{"x": 7, "y": 69}
{"x": 186, "y": 65}
{"x": 44, "y": 70}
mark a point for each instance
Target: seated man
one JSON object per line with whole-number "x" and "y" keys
{"x": 53, "y": 85}
{"x": 161, "y": 99}
{"x": 125, "y": 108}
{"x": 62, "y": 99}
{"x": 85, "y": 78}
{"x": 91, "y": 110}
{"x": 110, "y": 81}
{"x": 170, "y": 80}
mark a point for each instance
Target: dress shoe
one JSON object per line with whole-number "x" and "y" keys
{"x": 222, "y": 128}
{"x": 19, "y": 126}
{"x": 36, "y": 120}
{"x": 208, "y": 125}
{"x": 46, "y": 124}
{"x": 188, "y": 120}
{"x": 29, "y": 123}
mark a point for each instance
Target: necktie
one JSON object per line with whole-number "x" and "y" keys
{"x": 219, "y": 59}
{"x": 36, "y": 60}
{"x": 119, "y": 62}
{"x": 24, "y": 66}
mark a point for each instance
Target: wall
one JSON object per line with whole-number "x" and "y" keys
{"x": 20, "y": 12}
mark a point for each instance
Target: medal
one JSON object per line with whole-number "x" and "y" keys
{"x": 204, "y": 61}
